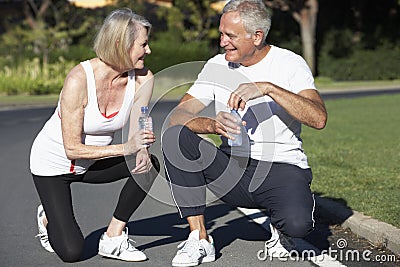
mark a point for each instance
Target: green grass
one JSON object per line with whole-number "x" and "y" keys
{"x": 27, "y": 100}
{"x": 356, "y": 158}
{"x": 323, "y": 83}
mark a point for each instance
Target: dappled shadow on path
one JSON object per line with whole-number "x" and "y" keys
{"x": 172, "y": 229}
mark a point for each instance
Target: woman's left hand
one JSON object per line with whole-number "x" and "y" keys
{"x": 143, "y": 162}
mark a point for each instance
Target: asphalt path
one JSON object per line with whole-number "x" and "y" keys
{"x": 155, "y": 226}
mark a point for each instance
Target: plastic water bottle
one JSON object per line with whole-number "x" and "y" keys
{"x": 145, "y": 121}
{"x": 238, "y": 137}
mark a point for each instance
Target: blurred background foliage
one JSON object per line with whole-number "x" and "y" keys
{"x": 40, "y": 40}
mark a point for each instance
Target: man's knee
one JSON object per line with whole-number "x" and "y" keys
{"x": 176, "y": 135}
{"x": 178, "y": 141}
{"x": 172, "y": 133}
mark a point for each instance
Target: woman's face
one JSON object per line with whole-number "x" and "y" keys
{"x": 140, "y": 49}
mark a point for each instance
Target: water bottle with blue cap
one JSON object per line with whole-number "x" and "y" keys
{"x": 238, "y": 137}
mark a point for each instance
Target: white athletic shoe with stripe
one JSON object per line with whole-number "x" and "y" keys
{"x": 279, "y": 246}
{"x": 43, "y": 236}
{"x": 194, "y": 251}
{"x": 120, "y": 247}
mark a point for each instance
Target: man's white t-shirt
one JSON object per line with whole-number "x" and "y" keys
{"x": 273, "y": 135}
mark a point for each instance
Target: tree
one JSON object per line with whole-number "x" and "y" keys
{"x": 305, "y": 13}
{"x": 191, "y": 20}
{"x": 46, "y": 26}
{"x": 35, "y": 13}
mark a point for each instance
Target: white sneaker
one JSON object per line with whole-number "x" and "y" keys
{"x": 120, "y": 247}
{"x": 278, "y": 245}
{"x": 194, "y": 251}
{"x": 43, "y": 236}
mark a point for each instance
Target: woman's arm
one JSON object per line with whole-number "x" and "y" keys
{"x": 73, "y": 101}
{"x": 144, "y": 91}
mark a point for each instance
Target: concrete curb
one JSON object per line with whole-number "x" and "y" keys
{"x": 379, "y": 233}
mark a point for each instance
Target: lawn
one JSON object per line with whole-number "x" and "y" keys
{"x": 356, "y": 158}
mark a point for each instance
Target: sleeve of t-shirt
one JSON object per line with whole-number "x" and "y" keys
{"x": 203, "y": 88}
{"x": 302, "y": 77}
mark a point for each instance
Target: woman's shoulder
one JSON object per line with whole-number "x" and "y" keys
{"x": 143, "y": 75}
{"x": 75, "y": 84}
{"x": 76, "y": 74}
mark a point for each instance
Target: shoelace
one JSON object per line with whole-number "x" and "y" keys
{"x": 190, "y": 246}
{"x": 127, "y": 244}
{"x": 43, "y": 236}
{"x": 271, "y": 243}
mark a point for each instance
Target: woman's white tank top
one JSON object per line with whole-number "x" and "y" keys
{"x": 48, "y": 156}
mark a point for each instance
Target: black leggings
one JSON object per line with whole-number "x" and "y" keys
{"x": 65, "y": 236}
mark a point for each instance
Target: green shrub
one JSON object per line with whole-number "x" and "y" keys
{"x": 166, "y": 53}
{"x": 382, "y": 63}
{"x": 28, "y": 76}
{"x": 75, "y": 53}
{"x": 33, "y": 78}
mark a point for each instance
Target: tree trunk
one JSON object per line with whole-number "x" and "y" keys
{"x": 307, "y": 19}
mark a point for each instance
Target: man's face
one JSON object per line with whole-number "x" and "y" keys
{"x": 238, "y": 44}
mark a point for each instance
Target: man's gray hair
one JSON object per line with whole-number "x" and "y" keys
{"x": 254, "y": 14}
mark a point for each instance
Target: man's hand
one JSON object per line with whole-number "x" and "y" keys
{"x": 226, "y": 123}
{"x": 244, "y": 93}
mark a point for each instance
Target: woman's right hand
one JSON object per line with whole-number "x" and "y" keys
{"x": 139, "y": 140}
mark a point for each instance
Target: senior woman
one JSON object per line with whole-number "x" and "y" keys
{"x": 75, "y": 144}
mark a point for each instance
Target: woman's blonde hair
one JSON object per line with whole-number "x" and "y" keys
{"x": 117, "y": 35}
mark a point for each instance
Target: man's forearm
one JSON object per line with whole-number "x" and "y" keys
{"x": 306, "y": 107}
{"x": 201, "y": 125}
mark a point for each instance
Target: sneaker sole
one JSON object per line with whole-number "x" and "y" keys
{"x": 203, "y": 260}
{"x": 51, "y": 250}
{"x": 118, "y": 258}
{"x": 185, "y": 264}
{"x": 210, "y": 258}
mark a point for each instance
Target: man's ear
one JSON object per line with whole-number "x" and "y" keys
{"x": 258, "y": 37}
